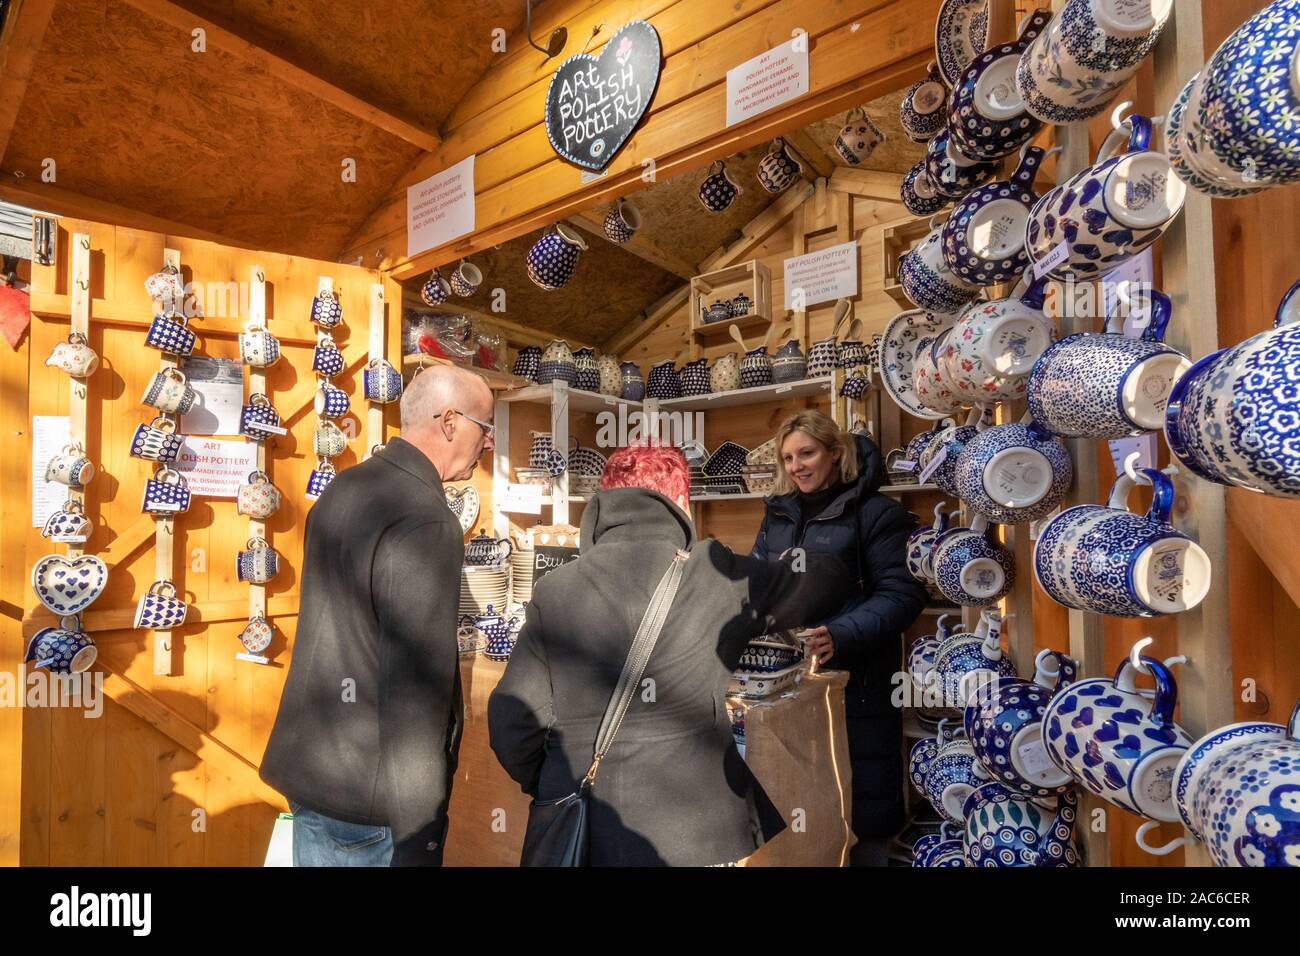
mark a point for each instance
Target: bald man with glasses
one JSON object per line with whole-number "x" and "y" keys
{"x": 366, "y": 738}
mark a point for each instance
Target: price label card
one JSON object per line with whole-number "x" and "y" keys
{"x": 905, "y": 466}
{"x": 934, "y": 465}
{"x": 1052, "y": 260}
{"x": 1034, "y": 759}
{"x": 522, "y": 499}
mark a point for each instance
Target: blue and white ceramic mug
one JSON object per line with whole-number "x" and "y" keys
{"x": 778, "y": 169}
{"x": 169, "y": 332}
{"x": 1117, "y": 742}
{"x": 927, "y": 280}
{"x": 1014, "y": 472}
{"x": 319, "y": 479}
{"x": 622, "y": 221}
{"x": 554, "y": 257}
{"x": 71, "y": 467}
{"x": 1004, "y": 723}
{"x": 157, "y": 441}
{"x": 971, "y": 569}
{"x": 918, "y": 194}
{"x": 953, "y": 174}
{"x": 159, "y": 608}
{"x": 466, "y": 279}
{"x": 169, "y": 392}
{"x": 258, "y": 564}
{"x": 381, "y": 382}
{"x": 258, "y": 347}
{"x": 984, "y": 238}
{"x": 65, "y": 649}
{"x": 331, "y": 401}
{"x": 1110, "y": 560}
{"x": 858, "y": 138}
{"x": 1105, "y": 384}
{"x": 258, "y": 418}
{"x": 1234, "y": 417}
{"x": 326, "y": 359}
{"x": 987, "y": 118}
{"x": 435, "y": 290}
{"x": 1250, "y": 97}
{"x": 326, "y": 309}
{"x": 166, "y": 493}
{"x": 1092, "y": 48}
{"x": 922, "y": 111}
{"x": 719, "y": 190}
{"x": 1110, "y": 211}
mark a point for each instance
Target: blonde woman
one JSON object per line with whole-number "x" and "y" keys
{"x": 827, "y": 501}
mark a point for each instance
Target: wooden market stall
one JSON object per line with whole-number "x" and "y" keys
{"x": 264, "y": 157}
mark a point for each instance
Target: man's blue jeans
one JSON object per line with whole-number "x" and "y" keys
{"x": 319, "y": 840}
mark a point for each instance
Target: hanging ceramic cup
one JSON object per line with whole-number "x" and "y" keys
{"x": 970, "y": 568}
{"x": 933, "y": 391}
{"x": 1073, "y": 69}
{"x": 326, "y": 358}
{"x": 157, "y": 441}
{"x": 258, "y": 347}
{"x": 319, "y": 479}
{"x": 65, "y": 649}
{"x": 329, "y": 441}
{"x": 1119, "y": 743}
{"x": 719, "y": 190}
{"x": 169, "y": 392}
{"x": 622, "y": 221}
{"x": 778, "y": 169}
{"x": 331, "y": 401}
{"x": 466, "y": 279}
{"x": 1106, "y": 384}
{"x": 927, "y": 280}
{"x": 554, "y": 257}
{"x": 1014, "y": 472}
{"x": 435, "y": 290}
{"x": 258, "y": 564}
{"x": 258, "y": 419}
{"x": 166, "y": 287}
{"x": 381, "y": 382}
{"x": 951, "y": 173}
{"x": 1233, "y": 417}
{"x": 74, "y": 356}
{"x": 258, "y": 497}
{"x": 921, "y": 112}
{"x": 937, "y": 464}
{"x": 170, "y": 333}
{"x": 918, "y": 194}
{"x": 1111, "y": 211}
{"x": 326, "y": 309}
{"x": 984, "y": 238}
{"x": 994, "y": 345}
{"x": 166, "y": 493}
{"x": 1109, "y": 560}
{"x": 858, "y": 138}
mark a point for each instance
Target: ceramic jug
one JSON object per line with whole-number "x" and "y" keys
{"x": 788, "y": 365}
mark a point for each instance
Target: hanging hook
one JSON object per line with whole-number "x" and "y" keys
{"x": 85, "y": 242}
{"x": 1134, "y": 655}
{"x": 1117, "y": 115}
{"x": 1131, "y": 471}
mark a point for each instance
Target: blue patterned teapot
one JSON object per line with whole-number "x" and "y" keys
{"x": 485, "y": 551}
{"x": 1006, "y": 829}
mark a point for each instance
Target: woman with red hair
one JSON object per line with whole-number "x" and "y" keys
{"x": 673, "y": 789}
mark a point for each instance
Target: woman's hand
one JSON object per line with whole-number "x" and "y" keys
{"x": 818, "y": 645}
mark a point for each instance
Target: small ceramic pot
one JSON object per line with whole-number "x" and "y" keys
{"x": 741, "y": 305}
{"x": 858, "y": 138}
{"x": 557, "y": 364}
{"x": 968, "y": 663}
{"x": 1014, "y": 472}
{"x": 987, "y": 118}
{"x": 719, "y": 190}
{"x": 1111, "y": 211}
{"x": 1073, "y": 69}
{"x": 778, "y": 169}
{"x": 1119, "y": 743}
{"x": 1105, "y": 384}
{"x": 756, "y": 368}
{"x": 554, "y": 257}
{"x": 970, "y": 568}
{"x": 1111, "y": 561}
{"x": 927, "y": 280}
{"x": 1232, "y": 418}
{"x": 922, "y": 112}
{"x": 622, "y": 221}
{"x": 632, "y": 383}
{"x": 984, "y": 238}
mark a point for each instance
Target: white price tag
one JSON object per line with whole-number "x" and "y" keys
{"x": 904, "y": 466}
{"x": 1034, "y": 760}
{"x": 273, "y": 429}
{"x": 69, "y": 539}
{"x": 252, "y": 658}
{"x": 934, "y": 465}
{"x": 522, "y": 499}
{"x": 1052, "y": 260}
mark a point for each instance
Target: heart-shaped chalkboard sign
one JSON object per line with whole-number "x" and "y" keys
{"x": 594, "y": 102}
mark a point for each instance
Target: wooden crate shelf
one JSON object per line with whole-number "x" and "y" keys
{"x": 895, "y": 241}
{"x": 752, "y": 278}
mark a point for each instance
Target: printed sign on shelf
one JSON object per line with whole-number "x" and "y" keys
{"x": 522, "y": 499}
{"x": 593, "y": 103}
{"x": 440, "y": 208}
{"x": 50, "y": 433}
{"x": 767, "y": 80}
{"x": 822, "y": 276}
{"x": 214, "y": 467}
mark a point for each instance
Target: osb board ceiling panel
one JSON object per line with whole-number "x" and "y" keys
{"x": 415, "y": 57}
{"x": 673, "y": 218}
{"x": 133, "y": 117}
{"x": 896, "y": 154}
{"x": 609, "y": 289}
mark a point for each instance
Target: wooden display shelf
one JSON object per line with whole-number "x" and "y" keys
{"x": 748, "y": 396}
{"x": 744, "y": 496}
{"x": 895, "y": 241}
{"x": 497, "y": 381}
{"x": 752, "y": 278}
{"x": 579, "y": 400}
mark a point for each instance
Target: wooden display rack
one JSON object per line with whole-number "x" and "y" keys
{"x": 752, "y": 278}
{"x": 896, "y": 241}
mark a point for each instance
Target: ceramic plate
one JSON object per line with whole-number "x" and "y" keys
{"x": 898, "y": 348}
{"x": 727, "y": 459}
{"x": 960, "y": 34}
{"x": 463, "y": 503}
{"x": 68, "y": 585}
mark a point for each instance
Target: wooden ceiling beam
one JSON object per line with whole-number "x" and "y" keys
{"x": 867, "y": 183}
{"x": 242, "y": 44}
{"x": 760, "y": 227}
{"x": 24, "y": 29}
{"x": 822, "y": 164}
{"x": 638, "y": 246}
{"x": 648, "y": 321}
{"x": 515, "y": 332}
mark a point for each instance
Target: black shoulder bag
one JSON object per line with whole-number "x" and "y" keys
{"x": 557, "y": 832}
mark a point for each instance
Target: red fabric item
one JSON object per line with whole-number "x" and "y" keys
{"x": 15, "y": 314}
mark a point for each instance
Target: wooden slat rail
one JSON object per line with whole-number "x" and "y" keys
{"x": 165, "y": 528}
{"x": 113, "y": 625}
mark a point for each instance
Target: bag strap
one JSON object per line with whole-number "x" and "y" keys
{"x": 647, "y": 634}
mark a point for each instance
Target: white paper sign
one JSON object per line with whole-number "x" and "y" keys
{"x": 522, "y": 499}
{"x": 219, "y": 387}
{"x": 934, "y": 465}
{"x": 768, "y": 80}
{"x": 216, "y": 468}
{"x": 49, "y": 434}
{"x": 440, "y": 208}
{"x": 822, "y": 276}
{"x": 1034, "y": 760}
{"x": 1053, "y": 259}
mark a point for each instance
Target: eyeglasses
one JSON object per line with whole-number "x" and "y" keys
{"x": 489, "y": 430}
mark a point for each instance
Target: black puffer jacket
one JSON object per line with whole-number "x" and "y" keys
{"x": 868, "y": 531}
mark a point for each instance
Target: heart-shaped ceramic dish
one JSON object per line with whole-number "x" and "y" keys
{"x": 69, "y": 585}
{"x": 464, "y": 504}
{"x": 634, "y": 47}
